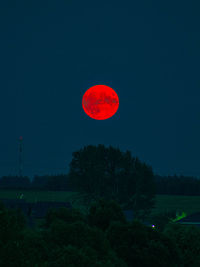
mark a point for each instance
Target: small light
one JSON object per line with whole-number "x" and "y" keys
{"x": 153, "y": 226}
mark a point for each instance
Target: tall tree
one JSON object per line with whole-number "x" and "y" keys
{"x": 98, "y": 171}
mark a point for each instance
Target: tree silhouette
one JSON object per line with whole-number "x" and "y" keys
{"x": 97, "y": 172}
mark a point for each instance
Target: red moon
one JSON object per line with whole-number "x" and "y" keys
{"x": 100, "y": 102}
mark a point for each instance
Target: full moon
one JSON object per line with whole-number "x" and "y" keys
{"x": 100, "y": 102}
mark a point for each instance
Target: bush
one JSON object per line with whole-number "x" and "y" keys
{"x": 63, "y": 214}
{"x": 102, "y": 213}
{"x": 187, "y": 239}
{"x": 139, "y": 245}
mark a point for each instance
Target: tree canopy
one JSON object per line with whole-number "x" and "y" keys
{"x": 99, "y": 171}
{"x": 100, "y": 239}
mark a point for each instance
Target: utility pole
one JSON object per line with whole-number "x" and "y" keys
{"x": 21, "y": 156}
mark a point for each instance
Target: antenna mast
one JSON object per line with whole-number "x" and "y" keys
{"x": 21, "y": 156}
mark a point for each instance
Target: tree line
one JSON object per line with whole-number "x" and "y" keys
{"x": 46, "y": 182}
{"x": 169, "y": 185}
{"x": 102, "y": 171}
{"x": 177, "y": 185}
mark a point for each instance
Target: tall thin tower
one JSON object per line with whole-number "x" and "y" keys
{"x": 21, "y": 156}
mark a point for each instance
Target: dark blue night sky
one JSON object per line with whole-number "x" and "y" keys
{"x": 51, "y": 52}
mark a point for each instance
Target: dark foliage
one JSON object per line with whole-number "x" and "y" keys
{"x": 51, "y": 182}
{"x": 162, "y": 219}
{"x": 64, "y": 214}
{"x": 170, "y": 185}
{"x": 102, "y": 213}
{"x": 104, "y": 172}
{"x": 142, "y": 245}
{"x": 187, "y": 239}
{"x": 72, "y": 239}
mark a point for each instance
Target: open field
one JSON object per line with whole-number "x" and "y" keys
{"x": 188, "y": 204}
{"x": 34, "y": 196}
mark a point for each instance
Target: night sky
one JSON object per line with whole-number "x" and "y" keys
{"x": 51, "y": 52}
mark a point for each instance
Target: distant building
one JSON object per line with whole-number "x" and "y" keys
{"x": 193, "y": 219}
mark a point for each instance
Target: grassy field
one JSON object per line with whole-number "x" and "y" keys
{"x": 187, "y": 204}
{"x": 34, "y": 196}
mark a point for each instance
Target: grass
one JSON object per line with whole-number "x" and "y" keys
{"x": 33, "y": 196}
{"x": 164, "y": 203}
{"x": 54, "y": 196}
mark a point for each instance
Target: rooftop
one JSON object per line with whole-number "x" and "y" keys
{"x": 191, "y": 219}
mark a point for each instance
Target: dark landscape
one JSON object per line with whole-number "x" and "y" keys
{"x": 62, "y": 221}
{"x": 99, "y": 133}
